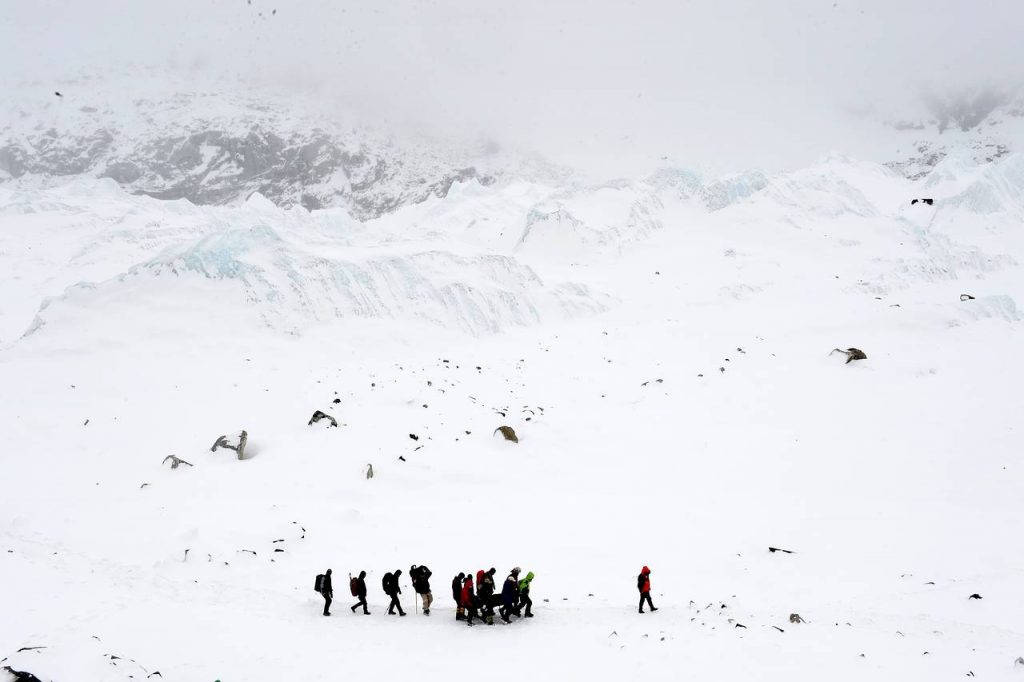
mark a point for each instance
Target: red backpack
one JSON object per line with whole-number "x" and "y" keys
{"x": 480, "y": 577}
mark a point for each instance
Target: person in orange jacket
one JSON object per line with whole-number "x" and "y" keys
{"x": 643, "y": 583}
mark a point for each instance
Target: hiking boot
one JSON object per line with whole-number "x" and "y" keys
{"x": 529, "y": 615}
{"x": 401, "y": 613}
{"x": 426, "y": 612}
{"x": 654, "y": 608}
{"x": 641, "y": 610}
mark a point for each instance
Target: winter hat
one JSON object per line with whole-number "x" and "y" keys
{"x": 515, "y": 571}
{"x": 645, "y": 570}
{"x": 398, "y": 573}
{"x": 328, "y": 571}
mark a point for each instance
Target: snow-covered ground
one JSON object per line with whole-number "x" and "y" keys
{"x": 661, "y": 346}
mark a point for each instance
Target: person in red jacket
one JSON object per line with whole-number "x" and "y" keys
{"x": 469, "y": 599}
{"x": 643, "y": 583}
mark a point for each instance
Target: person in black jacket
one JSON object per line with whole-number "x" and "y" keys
{"x": 460, "y": 611}
{"x": 327, "y": 591}
{"x": 391, "y": 588}
{"x": 361, "y": 593}
{"x": 485, "y": 591}
{"x": 510, "y": 596}
{"x": 420, "y": 576}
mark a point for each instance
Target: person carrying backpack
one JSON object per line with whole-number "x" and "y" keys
{"x": 524, "y": 594}
{"x": 358, "y": 586}
{"x": 643, "y": 583}
{"x": 510, "y": 596}
{"x": 421, "y": 583}
{"x": 391, "y": 588}
{"x": 469, "y": 600}
{"x": 485, "y": 591}
{"x": 460, "y": 612}
{"x": 327, "y": 591}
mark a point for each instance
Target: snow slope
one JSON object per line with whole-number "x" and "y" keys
{"x": 661, "y": 346}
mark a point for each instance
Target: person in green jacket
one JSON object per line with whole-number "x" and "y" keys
{"x": 524, "y": 594}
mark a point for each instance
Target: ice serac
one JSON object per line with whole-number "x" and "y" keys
{"x": 729, "y": 189}
{"x": 834, "y": 187}
{"x": 288, "y": 268}
{"x": 998, "y": 187}
{"x": 606, "y": 218}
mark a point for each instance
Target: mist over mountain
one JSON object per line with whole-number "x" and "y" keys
{"x": 609, "y": 87}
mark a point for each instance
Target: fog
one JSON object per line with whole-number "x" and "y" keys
{"x": 706, "y": 83}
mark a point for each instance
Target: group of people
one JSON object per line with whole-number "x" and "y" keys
{"x": 420, "y": 576}
{"x": 514, "y": 598}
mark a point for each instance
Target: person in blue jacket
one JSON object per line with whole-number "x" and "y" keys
{"x": 510, "y": 596}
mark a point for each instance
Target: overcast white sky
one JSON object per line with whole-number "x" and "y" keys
{"x": 689, "y": 78}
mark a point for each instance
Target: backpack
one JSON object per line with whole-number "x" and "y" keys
{"x": 319, "y": 584}
{"x": 640, "y": 580}
{"x": 353, "y": 585}
{"x": 414, "y": 576}
{"x": 386, "y": 581}
{"x": 480, "y": 577}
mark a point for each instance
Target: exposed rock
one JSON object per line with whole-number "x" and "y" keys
{"x": 175, "y": 461}
{"x": 318, "y": 415}
{"x": 851, "y": 354}
{"x": 252, "y": 147}
{"x": 508, "y": 432}
{"x": 236, "y": 443}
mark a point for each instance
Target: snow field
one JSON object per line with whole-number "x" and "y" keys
{"x": 883, "y": 476}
